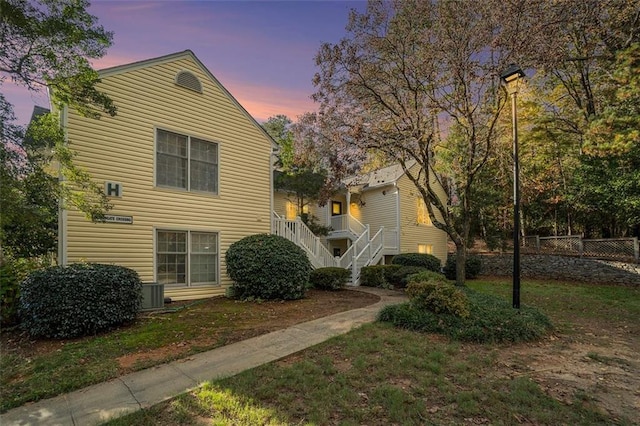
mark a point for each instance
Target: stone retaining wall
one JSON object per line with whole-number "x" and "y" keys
{"x": 563, "y": 268}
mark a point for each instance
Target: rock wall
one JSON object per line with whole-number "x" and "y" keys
{"x": 563, "y": 268}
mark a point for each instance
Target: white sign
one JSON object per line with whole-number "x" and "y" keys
{"x": 112, "y": 218}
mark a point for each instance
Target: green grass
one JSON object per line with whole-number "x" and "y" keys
{"x": 82, "y": 362}
{"x": 374, "y": 375}
{"x": 565, "y": 301}
{"x": 379, "y": 374}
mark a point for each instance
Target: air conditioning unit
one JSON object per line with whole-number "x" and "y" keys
{"x": 152, "y": 296}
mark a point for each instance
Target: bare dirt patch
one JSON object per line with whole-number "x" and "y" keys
{"x": 601, "y": 365}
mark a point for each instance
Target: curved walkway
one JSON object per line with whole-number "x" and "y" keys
{"x": 99, "y": 403}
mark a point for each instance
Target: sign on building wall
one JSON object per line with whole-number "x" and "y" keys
{"x": 112, "y": 218}
{"x": 113, "y": 189}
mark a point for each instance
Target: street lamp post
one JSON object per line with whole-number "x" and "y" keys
{"x": 510, "y": 78}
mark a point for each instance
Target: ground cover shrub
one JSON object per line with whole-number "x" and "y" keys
{"x": 431, "y": 291}
{"x": 266, "y": 267}
{"x": 78, "y": 300}
{"x": 472, "y": 267}
{"x": 330, "y": 278}
{"x": 491, "y": 320}
{"x": 427, "y": 261}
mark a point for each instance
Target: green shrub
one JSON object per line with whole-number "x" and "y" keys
{"x": 373, "y": 276}
{"x": 427, "y": 261}
{"x": 12, "y": 272}
{"x": 427, "y": 276}
{"x": 439, "y": 296}
{"x": 472, "y": 268}
{"x": 399, "y": 277}
{"x": 331, "y": 278}
{"x": 78, "y": 300}
{"x": 267, "y": 267}
{"x": 491, "y": 320}
{"x": 389, "y": 270}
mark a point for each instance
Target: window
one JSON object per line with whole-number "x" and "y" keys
{"x": 292, "y": 210}
{"x": 425, "y": 248}
{"x": 336, "y": 208}
{"x": 186, "y": 258}
{"x": 422, "y": 213}
{"x": 186, "y": 162}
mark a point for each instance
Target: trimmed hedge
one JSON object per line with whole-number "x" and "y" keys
{"x": 373, "y": 276}
{"x": 330, "y": 278}
{"x": 472, "y": 267}
{"x": 399, "y": 277}
{"x": 78, "y": 300}
{"x": 266, "y": 267}
{"x": 427, "y": 261}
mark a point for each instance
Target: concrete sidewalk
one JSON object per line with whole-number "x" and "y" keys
{"x": 99, "y": 403}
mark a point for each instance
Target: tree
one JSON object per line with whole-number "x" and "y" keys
{"x": 47, "y": 43}
{"x": 298, "y": 178}
{"x": 279, "y": 128}
{"x": 417, "y": 81}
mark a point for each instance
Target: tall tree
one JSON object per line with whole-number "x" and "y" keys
{"x": 417, "y": 81}
{"x": 48, "y": 43}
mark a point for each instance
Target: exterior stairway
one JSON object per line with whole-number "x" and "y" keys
{"x": 364, "y": 250}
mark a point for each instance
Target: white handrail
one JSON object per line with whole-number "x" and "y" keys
{"x": 301, "y": 235}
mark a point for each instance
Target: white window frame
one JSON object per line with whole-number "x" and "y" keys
{"x": 188, "y": 281}
{"x": 189, "y": 161}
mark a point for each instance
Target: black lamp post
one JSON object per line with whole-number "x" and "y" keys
{"x": 510, "y": 78}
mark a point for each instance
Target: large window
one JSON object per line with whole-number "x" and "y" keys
{"x": 186, "y": 258}
{"x": 186, "y": 162}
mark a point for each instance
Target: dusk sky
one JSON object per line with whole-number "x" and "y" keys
{"x": 261, "y": 51}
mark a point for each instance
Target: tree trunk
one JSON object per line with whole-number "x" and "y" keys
{"x": 461, "y": 258}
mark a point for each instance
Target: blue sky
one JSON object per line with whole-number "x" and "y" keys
{"x": 261, "y": 51}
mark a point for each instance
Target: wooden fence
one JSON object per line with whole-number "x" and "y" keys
{"x": 622, "y": 249}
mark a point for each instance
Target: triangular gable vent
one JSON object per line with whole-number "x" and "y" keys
{"x": 188, "y": 80}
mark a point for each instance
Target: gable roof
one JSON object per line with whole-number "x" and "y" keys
{"x": 377, "y": 178}
{"x": 107, "y": 72}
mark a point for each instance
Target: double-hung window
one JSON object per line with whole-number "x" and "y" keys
{"x": 186, "y": 162}
{"x": 186, "y": 258}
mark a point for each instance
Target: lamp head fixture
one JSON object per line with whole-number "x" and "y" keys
{"x": 512, "y": 73}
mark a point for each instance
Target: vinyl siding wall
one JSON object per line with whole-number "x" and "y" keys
{"x": 122, "y": 149}
{"x": 412, "y": 233}
{"x": 379, "y": 208}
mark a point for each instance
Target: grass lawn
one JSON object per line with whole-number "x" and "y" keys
{"x": 35, "y": 369}
{"x": 585, "y": 373}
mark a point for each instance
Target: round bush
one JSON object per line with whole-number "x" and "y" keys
{"x": 427, "y": 261}
{"x": 438, "y": 296}
{"x": 330, "y": 278}
{"x": 472, "y": 267}
{"x": 78, "y": 300}
{"x": 399, "y": 277}
{"x": 267, "y": 267}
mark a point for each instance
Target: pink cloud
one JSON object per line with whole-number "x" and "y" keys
{"x": 263, "y": 102}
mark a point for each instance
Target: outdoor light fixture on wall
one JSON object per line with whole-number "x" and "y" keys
{"x": 510, "y": 78}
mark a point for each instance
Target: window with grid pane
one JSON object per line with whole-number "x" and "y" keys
{"x": 186, "y": 258}
{"x": 204, "y": 255}
{"x": 186, "y": 162}
{"x": 171, "y": 257}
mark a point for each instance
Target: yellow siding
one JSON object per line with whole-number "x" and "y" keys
{"x": 411, "y": 232}
{"x": 379, "y": 208}
{"x": 122, "y": 149}
{"x": 280, "y": 201}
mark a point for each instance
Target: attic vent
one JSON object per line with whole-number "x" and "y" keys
{"x": 188, "y": 80}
